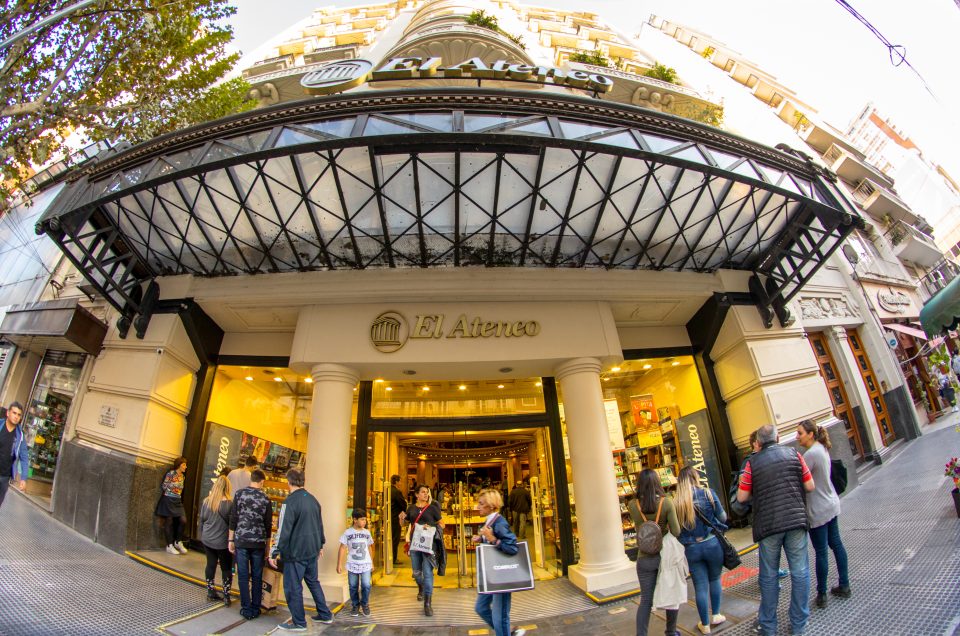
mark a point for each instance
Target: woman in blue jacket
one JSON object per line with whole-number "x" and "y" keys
{"x": 494, "y": 609}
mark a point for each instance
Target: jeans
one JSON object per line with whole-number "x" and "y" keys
{"x": 359, "y": 597}
{"x": 647, "y": 569}
{"x": 794, "y": 543}
{"x": 494, "y": 609}
{"x": 423, "y": 565}
{"x": 822, "y": 537}
{"x": 520, "y": 523}
{"x": 250, "y": 580}
{"x": 295, "y": 573}
{"x": 706, "y": 565}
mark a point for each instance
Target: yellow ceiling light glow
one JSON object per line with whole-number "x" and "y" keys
{"x": 249, "y": 378}
{"x": 378, "y": 380}
{"x": 389, "y": 388}
{"x": 277, "y": 378}
{"x": 308, "y": 380}
{"x": 648, "y": 366}
{"x": 499, "y": 386}
{"x": 538, "y": 384}
{"x": 462, "y": 387}
{"x": 615, "y": 369}
{"x": 674, "y": 363}
{"x": 425, "y": 389}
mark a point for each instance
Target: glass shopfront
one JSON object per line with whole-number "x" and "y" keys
{"x": 46, "y": 415}
{"x": 657, "y": 418}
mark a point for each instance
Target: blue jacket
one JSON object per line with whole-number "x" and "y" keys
{"x": 501, "y": 530}
{"x": 20, "y": 452}
{"x": 709, "y": 504}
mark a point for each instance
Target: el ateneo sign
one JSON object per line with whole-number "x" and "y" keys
{"x": 346, "y": 74}
{"x": 391, "y": 330}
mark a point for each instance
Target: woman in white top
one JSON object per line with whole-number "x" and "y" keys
{"x": 823, "y": 508}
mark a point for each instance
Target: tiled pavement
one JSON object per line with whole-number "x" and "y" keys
{"x": 899, "y": 527}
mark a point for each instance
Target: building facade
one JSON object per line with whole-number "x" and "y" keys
{"x": 477, "y": 255}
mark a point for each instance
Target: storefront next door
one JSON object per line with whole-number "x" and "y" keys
{"x": 457, "y": 438}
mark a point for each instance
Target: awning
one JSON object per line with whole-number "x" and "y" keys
{"x": 447, "y": 178}
{"x": 942, "y": 312}
{"x": 60, "y": 325}
{"x": 910, "y": 331}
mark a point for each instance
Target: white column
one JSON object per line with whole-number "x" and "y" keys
{"x": 603, "y": 562}
{"x": 328, "y": 464}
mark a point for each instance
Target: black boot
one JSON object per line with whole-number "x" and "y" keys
{"x": 212, "y": 593}
{"x": 419, "y": 592}
{"x": 427, "y": 607}
{"x": 227, "y": 582}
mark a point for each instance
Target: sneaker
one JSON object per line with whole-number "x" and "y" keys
{"x": 704, "y": 629}
{"x": 355, "y": 610}
{"x": 289, "y": 626}
{"x": 172, "y": 550}
{"x": 783, "y": 573}
{"x": 320, "y": 619}
{"x": 366, "y": 610}
{"x": 821, "y": 601}
{"x": 718, "y": 619}
{"x": 179, "y": 546}
{"x": 843, "y": 591}
{"x": 518, "y": 632}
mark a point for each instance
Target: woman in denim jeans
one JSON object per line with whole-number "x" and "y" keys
{"x": 494, "y": 609}
{"x": 425, "y": 512}
{"x": 703, "y": 550}
{"x": 823, "y": 510}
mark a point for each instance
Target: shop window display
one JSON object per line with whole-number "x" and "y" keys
{"x": 263, "y": 412}
{"x": 46, "y": 416}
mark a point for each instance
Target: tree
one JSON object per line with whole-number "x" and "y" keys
{"x": 662, "y": 73}
{"x": 589, "y": 57}
{"x": 118, "y": 69}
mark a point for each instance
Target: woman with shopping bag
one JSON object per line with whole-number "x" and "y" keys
{"x": 425, "y": 521}
{"x": 494, "y": 608}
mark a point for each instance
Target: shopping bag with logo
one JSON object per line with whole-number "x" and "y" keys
{"x": 422, "y": 539}
{"x": 499, "y": 572}
{"x": 272, "y": 589}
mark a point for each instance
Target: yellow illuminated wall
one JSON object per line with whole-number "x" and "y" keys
{"x": 261, "y": 408}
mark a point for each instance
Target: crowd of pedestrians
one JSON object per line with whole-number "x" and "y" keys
{"x": 790, "y": 495}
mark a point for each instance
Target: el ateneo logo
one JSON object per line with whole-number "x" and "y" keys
{"x": 390, "y": 331}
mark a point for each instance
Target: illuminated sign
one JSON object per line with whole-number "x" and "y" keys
{"x": 345, "y": 74}
{"x": 390, "y": 331}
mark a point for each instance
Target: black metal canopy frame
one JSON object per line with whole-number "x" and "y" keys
{"x": 441, "y": 178}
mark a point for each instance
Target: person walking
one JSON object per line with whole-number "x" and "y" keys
{"x": 14, "y": 453}
{"x": 170, "y": 506}
{"x": 652, "y": 504}
{"x": 494, "y": 609}
{"x": 520, "y": 506}
{"x": 823, "y": 512}
{"x": 251, "y": 519}
{"x": 356, "y": 553}
{"x": 300, "y": 542}
{"x": 398, "y": 504}
{"x": 701, "y": 545}
{"x": 425, "y": 520}
{"x": 240, "y": 477}
{"x": 214, "y": 529}
{"x": 777, "y": 479}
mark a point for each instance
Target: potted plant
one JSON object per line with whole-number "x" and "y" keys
{"x": 953, "y": 472}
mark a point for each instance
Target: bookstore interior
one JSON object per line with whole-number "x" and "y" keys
{"x": 459, "y": 437}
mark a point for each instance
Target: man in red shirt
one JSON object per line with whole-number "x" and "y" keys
{"x": 777, "y": 479}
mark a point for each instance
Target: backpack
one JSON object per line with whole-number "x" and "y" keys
{"x": 649, "y": 535}
{"x": 838, "y": 475}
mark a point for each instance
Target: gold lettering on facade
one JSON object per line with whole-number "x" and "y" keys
{"x": 461, "y": 329}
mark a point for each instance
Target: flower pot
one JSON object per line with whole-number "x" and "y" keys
{"x": 956, "y": 500}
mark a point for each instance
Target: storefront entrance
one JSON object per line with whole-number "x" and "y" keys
{"x": 459, "y": 438}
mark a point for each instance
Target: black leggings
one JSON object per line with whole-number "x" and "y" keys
{"x": 173, "y": 528}
{"x": 226, "y": 563}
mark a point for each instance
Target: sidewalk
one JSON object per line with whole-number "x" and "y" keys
{"x": 899, "y": 527}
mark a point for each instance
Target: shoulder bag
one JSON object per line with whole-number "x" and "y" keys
{"x": 731, "y": 560}
{"x": 421, "y": 540}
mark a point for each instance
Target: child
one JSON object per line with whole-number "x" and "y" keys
{"x": 356, "y": 545}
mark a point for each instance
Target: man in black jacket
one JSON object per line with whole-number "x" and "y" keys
{"x": 398, "y": 505}
{"x": 520, "y": 505}
{"x": 251, "y": 519}
{"x": 777, "y": 480}
{"x": 300, "y": 543}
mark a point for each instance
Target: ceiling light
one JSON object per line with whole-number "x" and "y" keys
{"x": 308, "y": 380}
{"x": 538, "y": 384}
{"x": 606, "y": 379}
{"x": 462, "y": 387}
{"x": 648, "y": 366}
{"x": 499, "y": 386}
{"x": 277, "y": 378}
{"x": 378, "y": 380}
{"x": 249, "y": 378}
{"x": 674, "y": 363}
{"x": 615, "y": 369}
{"x": 389, "y": 388}
{"x": 426, "y": 388}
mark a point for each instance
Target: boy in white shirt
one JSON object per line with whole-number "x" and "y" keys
{"x": 356, "y": 548}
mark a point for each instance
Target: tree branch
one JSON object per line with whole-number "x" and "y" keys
{"x": 47, "y": 92}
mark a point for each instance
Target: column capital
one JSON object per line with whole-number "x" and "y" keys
{"x": 577, "y": 365}
{"x": 329, "y": 372}
{"x": 837, "y": 332}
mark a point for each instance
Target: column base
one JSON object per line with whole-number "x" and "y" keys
{"x": 335, "y": 588}
{"x": 593, "y": 579}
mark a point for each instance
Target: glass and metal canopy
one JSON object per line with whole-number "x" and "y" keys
{"x": 447, "y": 178}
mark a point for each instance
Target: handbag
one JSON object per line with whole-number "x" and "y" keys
{"x": 498, "y": 572}
{"x": 420, "y": 542}
{"x": 731, "y": 559}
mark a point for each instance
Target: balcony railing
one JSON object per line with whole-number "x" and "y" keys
{"x": 910, "y": 244}
{"x": 938, "y": 277}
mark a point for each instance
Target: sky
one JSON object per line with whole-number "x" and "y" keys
{"x": 816, "y": 48}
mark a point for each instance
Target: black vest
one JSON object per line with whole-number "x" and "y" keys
{"x": 779, "y": 500}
